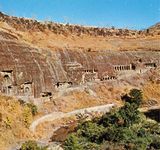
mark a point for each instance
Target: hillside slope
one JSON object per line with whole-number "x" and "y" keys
{"x": 14, "y": 121}
{"x": 74, "y": 37}
{"x": 68, "y": 67}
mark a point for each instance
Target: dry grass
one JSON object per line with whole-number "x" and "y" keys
{"x": 53, "y": 41}
{"x": 104, "y": 94}
{"x": 49, "y": 40}
{"x": 151, "y": 91}
{"x": 14, "y": 121}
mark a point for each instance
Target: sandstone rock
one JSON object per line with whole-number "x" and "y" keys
{"x": 29, "y": 72}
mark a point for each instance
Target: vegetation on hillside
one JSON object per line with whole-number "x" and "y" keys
{"x": 122, "y": 129}
{"x": 15, "y": 118}
{"x": 31, "y": 145}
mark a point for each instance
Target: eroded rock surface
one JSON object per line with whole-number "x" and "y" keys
{"x": 32, "y": 72}
{"x": 25, "y": 71}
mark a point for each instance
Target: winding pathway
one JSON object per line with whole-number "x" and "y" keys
{"x": 60, "y": 115}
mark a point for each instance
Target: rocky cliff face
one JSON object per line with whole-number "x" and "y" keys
{"x": 29, "y": 70}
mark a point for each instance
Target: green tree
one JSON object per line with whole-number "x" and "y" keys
{"x": 125, "y": 128}
{"x": 135, "y": 96}
{"x": 73, "y": 143}
{"x": 92, "y": 131}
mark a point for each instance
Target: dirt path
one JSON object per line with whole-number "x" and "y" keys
{"x": 59, "y": 115}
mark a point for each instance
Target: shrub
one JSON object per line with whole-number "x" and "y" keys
{"x": 155, "y": 143}
{"x": 8, "y": 122}
{"x": 129, "y": 113}
{"x": 126, "y": 116}
{"x": 22, "y": 102}
{"x": 92, "y": 131}
{"x": 73, "y": 143}
{"x": 135, "y": 96}
{"x": 31, "y": 145}
{"x": 27, "y": 116}
{"x": 33, "y": 108}
{"x": 90, "y": 146}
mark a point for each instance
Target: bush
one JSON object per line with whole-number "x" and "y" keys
{"x": 8, "y": 122}
{"x": 92, "y": 131}
{"x": 126, "y": 116}
{"x": 22, "y": 102}
{"x": 129, "y": 113}
{"x": 155, "y": 143}
{"x": 27, "y": 116}
{"x": 33, "y": 108}
{"x": 31, "y": 145}
{"x": 73, "y": 143}
{"x": 91, "y": 146}
{"x": 135, "y": 96}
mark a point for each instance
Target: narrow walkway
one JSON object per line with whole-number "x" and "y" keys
{"x": 59, "y": 115}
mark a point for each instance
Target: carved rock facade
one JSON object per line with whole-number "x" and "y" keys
{"x": 27, "y": 71}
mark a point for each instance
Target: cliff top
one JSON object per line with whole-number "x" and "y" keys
{"x": 50, "y": 35}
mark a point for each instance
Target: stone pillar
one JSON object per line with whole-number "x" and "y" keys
{"x": 130, "y": 67}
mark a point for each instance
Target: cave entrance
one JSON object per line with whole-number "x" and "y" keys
{"x": 63, "y": 84}
{"x": 124, "y": 67}
{"x": 150, "y": 65}
{"x": 27, "y": 88}
{"x": 133, "y": 66}
{"x": 7, "y": 84}
{"x": 46, "y": 95}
